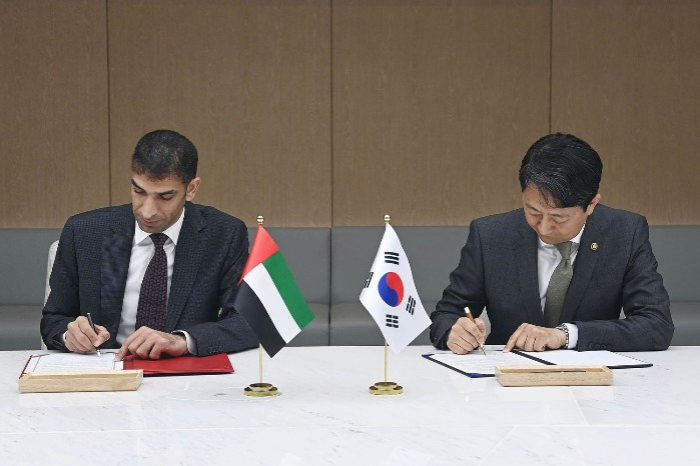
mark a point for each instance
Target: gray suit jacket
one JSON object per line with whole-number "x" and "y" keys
{"x": 92, "y": 261}
{"x": 498, "y": 271}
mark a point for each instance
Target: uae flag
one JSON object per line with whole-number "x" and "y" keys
{"x": 268, "y": 297}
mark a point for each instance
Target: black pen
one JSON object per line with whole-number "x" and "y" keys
{"x": 468, "y": 313}
{"x": 92, "y": 324}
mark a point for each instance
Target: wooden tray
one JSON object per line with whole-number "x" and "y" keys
{"x": 88, "y": 381}
{"x": 531, "y": 376}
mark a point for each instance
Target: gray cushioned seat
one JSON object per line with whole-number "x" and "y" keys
{"x": 677, "y": 250}
{"x": 330, "y": 266}
{"x": 23, "y": 254}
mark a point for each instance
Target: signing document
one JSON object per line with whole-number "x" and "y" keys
{"x": 476, "y": 364}
{"x": 73, "y": 362}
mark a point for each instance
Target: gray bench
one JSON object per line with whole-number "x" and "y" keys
{"x": 24, "y": 255}
{"x": 677, "y": 250}
{"x": 434, "y": 252}
{"x": 331, "y": 265}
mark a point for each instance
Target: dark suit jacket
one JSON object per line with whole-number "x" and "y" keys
{"x": 92, "y": 261}
{"x": 498, "y": 271}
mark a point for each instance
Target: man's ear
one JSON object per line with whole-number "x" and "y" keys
{"x": 593, "y": 203}
{"x": 192, "y": 188}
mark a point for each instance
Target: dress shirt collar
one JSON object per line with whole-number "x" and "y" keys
{"x": 576, "y": 240}
{"x": 173, "y": 232}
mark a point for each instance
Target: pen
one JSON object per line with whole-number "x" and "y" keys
{"x": 92, "y": 324}
{"x": 468, "y": 313}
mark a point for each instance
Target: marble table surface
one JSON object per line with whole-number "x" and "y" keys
{"x": 326, "y": 416}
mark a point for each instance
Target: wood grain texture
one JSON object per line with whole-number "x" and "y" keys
{"x": 247, "y": 82}
{"x": 80, "y": 381}
{"x": 53, "y": 116}
{"x": 626, "y": 78}
{"x": 434, "y": 106}
{"x": 320, "y": 112}
{"x": 542, "y": 376}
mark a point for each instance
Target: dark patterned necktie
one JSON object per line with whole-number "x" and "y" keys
{"x": 153, "y": 298}
{"x": 558, "y": 286}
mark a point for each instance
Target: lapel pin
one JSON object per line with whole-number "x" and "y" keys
{"x": 594, "y": 246}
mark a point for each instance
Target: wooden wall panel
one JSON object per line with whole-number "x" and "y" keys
{"x": 53, "y": 111}
{"x": 247, "y": 81}
{"x": 626, "y": 77}
{"x": 435, "y": 103}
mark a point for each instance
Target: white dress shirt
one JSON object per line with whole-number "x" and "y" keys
{"x": 548, "y": 257}
{"x": 142, "y": 251}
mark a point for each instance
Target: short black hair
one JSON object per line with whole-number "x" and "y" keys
{"x": 565, "y": 169}
{"x": 163, "y": 153}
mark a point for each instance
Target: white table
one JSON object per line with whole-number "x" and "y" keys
{"x": 325, "y": 415}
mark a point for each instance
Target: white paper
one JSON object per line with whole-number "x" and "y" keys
{"x": 72, "y": 362}
{"x": 585, "y": 358}
{"x": 476, "y": 363}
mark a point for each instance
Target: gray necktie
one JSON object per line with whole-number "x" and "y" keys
{"x": 558, "y": 285}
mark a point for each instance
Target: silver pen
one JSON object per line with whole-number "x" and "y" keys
{"x": 92, "y": 324}
{"x": 468, "y": 313}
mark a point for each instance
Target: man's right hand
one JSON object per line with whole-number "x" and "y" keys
{"x": 466, "y": 335}
{"x": 80, "y": 337}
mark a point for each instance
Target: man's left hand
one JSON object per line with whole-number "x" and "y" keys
{"x": 530, "y": 337}
{"x": 147, "y": 343}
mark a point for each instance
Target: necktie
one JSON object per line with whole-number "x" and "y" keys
{"x": 558, "y": 286}
{"x": 153, "y": 298}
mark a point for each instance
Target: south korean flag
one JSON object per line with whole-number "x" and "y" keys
{"x": 390, "y": 294}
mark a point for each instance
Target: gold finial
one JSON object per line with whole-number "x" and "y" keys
{"x": 261, "y": 219}
{"x": 387, "y": 218}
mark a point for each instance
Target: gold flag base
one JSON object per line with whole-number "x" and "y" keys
{"x": 261, "y": 389}
{"x": 386, "y": 388}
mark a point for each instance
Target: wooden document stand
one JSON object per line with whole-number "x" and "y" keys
{"x": 532, "y": 376}
{"x": 89, "y": 381}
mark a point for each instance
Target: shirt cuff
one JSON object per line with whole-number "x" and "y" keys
{"x": 573, "y": 335}
{"x": 192, "y": 345}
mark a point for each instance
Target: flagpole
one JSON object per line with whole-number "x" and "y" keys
{"x": 261, "y": 388}
{"x": 386, "y": 361}
{"x": 386, "y": 387}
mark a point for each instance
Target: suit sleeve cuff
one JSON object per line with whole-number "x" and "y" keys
{"x": 191, "y": 344}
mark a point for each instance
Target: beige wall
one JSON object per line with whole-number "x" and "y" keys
{"x": 248, "y": 82}
{"x": 54, "y": 142}
{"x": 626, "y": 76}
{"x": 433, "y": 105}
{"x": 334, "y": 112}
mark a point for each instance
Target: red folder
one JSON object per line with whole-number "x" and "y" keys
{"x": 183, "y": 365}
